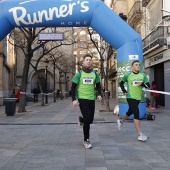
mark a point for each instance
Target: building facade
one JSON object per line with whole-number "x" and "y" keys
{"x": 156, "y": 46}
{"x": 83, "y": 45}
{"x": 120, "y": 7}
{"x": 7, "y": 69}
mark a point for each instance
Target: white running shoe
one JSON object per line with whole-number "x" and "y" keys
{"x": 87, "y": 144}
{"x": 79, "y": 121}
{"x": 119, "y": 124}
{"x": 142, "y": 137}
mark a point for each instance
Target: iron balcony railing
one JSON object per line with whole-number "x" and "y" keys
{"x": 156, "y": 39}
{"x": 135, "y": 13}
{"x": 145, "y": 2}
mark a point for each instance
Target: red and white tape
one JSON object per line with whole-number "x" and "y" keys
{"x": 156, "y": 91}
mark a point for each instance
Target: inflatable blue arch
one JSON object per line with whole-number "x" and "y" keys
{"x": 78, "y": 13}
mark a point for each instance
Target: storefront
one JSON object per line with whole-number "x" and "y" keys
{"x": 158, "y": 70}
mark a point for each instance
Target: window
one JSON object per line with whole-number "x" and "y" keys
{"x": 82, "y": 52}
{"x": 82, "y": 39}
{"x": 82, "y": 45}
{"x": 75, "y": 46}
{"x": 75, "y": 52}
{"x": 82, "y": 32}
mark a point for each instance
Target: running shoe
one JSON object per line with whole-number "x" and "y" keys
{"x": 142, "y": 137}
{"x": 79, "y": 121}
{"x": 87, "y": 144}
{"x": 119, "y": 124}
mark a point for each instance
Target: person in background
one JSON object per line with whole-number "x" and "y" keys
{"x": 83, "y": 95}
{"x": 36, "y": 91}
{"x": 15, "y": 90}
{"x": 18, "y": 93}
{"x": 135, "y": 81}
{"x": 153, "y": 97}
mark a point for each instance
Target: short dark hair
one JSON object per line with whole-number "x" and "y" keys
{"x": 135, "y": 61}
{"x": 153, "y": 83}
{"x": 87, "y": 55}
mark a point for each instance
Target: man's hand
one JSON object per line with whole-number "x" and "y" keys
{"x": 99, "y": 98}
{"x": 139, "y": 83}
{"x": 75, "y": 103}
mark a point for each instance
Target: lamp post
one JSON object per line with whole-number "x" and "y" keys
{"x": 60, "y": 76}
{"x": 54, "y": 84}
{"x": 46, "y": 66}
{"x": 67, "y": 83}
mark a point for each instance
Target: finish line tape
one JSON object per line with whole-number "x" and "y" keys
{"x": 161, "y": 92}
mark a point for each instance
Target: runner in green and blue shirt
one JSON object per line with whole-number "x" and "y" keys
{"x": 135, "y": 81}
{"x": 83, "y": 95}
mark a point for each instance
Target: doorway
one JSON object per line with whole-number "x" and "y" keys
{"x": 159, "y": 79}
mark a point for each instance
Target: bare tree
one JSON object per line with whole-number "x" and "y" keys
{"x": 101, "y": 49}
{"x": 26, "y": 39}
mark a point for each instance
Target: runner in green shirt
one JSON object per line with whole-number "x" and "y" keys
{"x": 83, "y": 95}
{"x": 135, "y": 81}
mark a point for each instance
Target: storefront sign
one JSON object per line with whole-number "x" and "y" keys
{"x": 159, "y": 58}
{"x": 154, "y": 60}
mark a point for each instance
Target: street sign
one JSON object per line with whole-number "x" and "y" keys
{"x": 59, "y": 36}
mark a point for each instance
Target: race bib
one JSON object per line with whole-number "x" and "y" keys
{"x": 87, "y": 80}
{"x": 135, "y": 83}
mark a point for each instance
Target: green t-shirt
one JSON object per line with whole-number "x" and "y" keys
{"x": 134, "y": 91}
{"x": 86, "y": 84}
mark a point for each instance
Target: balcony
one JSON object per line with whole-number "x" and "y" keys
{"x": 135, "y": 13}
{"x": 156, "y": 39}
{"x": 145, "y": 2}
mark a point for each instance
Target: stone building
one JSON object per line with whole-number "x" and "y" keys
{"x": 58, "y": 74}
{"x": 120, "y": 7}
{"x": 156, "y": 43}
{"x": 7, "y": 69}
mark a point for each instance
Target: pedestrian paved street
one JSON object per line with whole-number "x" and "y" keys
{"x": 48, "y": 138}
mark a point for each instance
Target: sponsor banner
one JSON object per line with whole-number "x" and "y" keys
{"x": 123, "y": 68}
{"x": 133, "y": 57}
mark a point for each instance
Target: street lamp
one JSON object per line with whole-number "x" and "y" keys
{"x": 67, "y": 83}
{"x": 54, "y": 82}
{"x": 46, "y": 66}
{"x": 60, "y": 76}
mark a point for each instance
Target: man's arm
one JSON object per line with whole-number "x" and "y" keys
{"x": 73, "y": 91}
{"x": 122, "y": 86}
{"x": 98, "y": 88}
{"x": 146, "y": 85}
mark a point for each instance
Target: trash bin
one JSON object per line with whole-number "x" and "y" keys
{"x": 10, "y": 106}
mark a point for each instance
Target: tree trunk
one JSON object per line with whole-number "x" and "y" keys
{"x": 42, "y": 100}
{"x": 41, "y": 89}
{"x": 102, "y": 76}
{"x": 22, "y": 101}
{"x": 107, "y": 92}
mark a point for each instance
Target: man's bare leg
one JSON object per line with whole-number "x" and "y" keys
{"x": 124, "y": 118}
{"x": 137, "y": 126}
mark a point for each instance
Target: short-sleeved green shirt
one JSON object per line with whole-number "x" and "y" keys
{"x": 134, "y": 91}
{"x": 86, "y": 84}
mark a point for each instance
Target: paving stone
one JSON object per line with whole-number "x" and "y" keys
{"x": 48, "y": 138}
